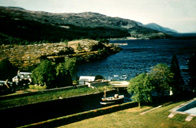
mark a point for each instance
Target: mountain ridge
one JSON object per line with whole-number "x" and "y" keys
{"x": 69, "y": 26}
{"x": 160, "y": 28}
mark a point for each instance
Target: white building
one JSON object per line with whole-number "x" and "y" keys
{"x": 83, "y": 80}
{"x": 21, "y": 76}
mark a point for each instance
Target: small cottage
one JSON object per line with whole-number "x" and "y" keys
{"x": 22, "y": 76}
{"x": 83, "y": 80}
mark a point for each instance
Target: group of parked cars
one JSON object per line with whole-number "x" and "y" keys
{"x": 20, "y": 81}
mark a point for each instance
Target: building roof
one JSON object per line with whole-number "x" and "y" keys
{"x": 87, "y": 78}
{"x": 25, "y": 73}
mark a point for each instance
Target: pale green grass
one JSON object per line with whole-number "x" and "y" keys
{"x": 131, "y": 118}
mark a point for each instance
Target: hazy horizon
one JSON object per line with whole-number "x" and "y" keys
{"x": 174, "y": 14}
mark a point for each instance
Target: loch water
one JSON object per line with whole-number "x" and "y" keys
{"x": 136, "y": 57}
{"x": 140, "y": 56}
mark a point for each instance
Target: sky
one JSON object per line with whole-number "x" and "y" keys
{"x": 179, "y": 15}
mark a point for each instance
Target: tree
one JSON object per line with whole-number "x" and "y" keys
{"x": 103, "y": 40}
{"x": 71, "y": 65}
{"x": 44, "y": 74}
{"x": 55, "y": 75}
{"x": 160, "y": 77}
{"x": 178, "y": 82}
{"x": 140, "y": 89}
{"x": 79, "y": 47}
{"x": 99, "y": 77}
{"x": 7, "y": 70}
{"x": 192, "y": 72}
{"x": 63, "y": 77}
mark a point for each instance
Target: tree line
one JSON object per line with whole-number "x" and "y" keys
{"x": 47, "y": 73}
{"x": 30, "y": 32}
{"x": 55, "y": 75}
{"x": 159, "y": 80}
{"x": 162, "y": 80}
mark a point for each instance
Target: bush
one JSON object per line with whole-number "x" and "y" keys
{"x": 99, "y": 77}
{"x": 36, "y": 87}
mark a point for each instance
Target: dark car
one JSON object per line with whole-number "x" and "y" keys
{"x": 6, "y": 86}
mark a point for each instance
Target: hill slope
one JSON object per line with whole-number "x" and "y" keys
{"x": 160, "y": 28}
{"x": 18, "y": 24}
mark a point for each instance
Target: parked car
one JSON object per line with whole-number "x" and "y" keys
{"x": 22, "y": 77}
{"x": 22, "y": 80}
{"x": 6, "y": 86}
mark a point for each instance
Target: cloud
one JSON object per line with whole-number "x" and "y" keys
{"x": 7, "y": 2}
{"x": 163, "y": 12}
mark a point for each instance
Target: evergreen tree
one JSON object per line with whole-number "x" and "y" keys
{"x": 63, "y": 77}
{"x": 178, "y": 82}
{"x": 71, "y": 65}
{"x": 192, "y": 72}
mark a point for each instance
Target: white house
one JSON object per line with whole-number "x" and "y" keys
{"x": 21, "y": 76}
{"x": 83, "y": 80}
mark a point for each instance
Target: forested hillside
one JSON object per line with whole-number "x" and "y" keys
{"x": 20, "y": 26}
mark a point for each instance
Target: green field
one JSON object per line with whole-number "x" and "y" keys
{"x": 48, "y": 96}
{"x": 127, "y": 118}
{"x": 131, "y": 118}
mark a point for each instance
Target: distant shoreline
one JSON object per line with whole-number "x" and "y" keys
{"x": 124, "y": 38}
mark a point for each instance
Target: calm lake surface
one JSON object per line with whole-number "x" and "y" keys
{"x": 139, "y": 56}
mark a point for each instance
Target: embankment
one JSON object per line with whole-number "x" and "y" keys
{"x": 38, "y": 112}
{"x": 81, "y": 116}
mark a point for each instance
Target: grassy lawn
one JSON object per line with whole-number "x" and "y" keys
{"x": 48, "y": 96}
{"x": 131, "y": 118}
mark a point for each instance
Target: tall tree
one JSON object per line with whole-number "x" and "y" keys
{"x": 44, "y": 74}
{"x": 140, "y": 89}
{"x": 192, "y": 71}
{"x": 71, "y": 65}
{"x": 160, "y": 78}
{"x": 63, "y": 77}
{"x": 178, "y": 83}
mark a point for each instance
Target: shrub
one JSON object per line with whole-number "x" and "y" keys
{"x": 36, "y": 87}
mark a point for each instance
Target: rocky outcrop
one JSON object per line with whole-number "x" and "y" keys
{"x": 29, "y": 55}
{"x": 85, "y": 50}
{"x": 89, "y": 50}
